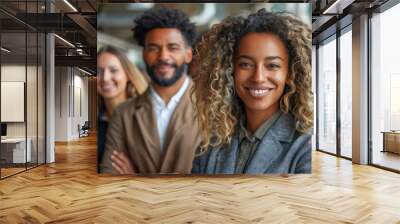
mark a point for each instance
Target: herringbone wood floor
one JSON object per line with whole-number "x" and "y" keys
{"x": 70, "y": 191}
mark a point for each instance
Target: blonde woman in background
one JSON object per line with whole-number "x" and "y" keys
{"x": 117, "y": 80}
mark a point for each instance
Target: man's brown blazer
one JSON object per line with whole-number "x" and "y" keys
{"x": 133, "y": 130}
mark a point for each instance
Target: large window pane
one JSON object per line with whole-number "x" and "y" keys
{"x": 346, "y": 94}
{"x": 327, "y": 96}
{"x": 23, "y": 85}
{"x": 13, "y": 86}
{"x": 385, "y": 84}
{"x": 13, "y": 71}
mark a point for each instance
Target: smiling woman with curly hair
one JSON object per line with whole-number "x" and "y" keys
{"x": 253, "y": 93}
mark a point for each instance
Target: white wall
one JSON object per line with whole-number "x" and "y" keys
{"x": 71, "y": 93}
{"x": 50, "y": 93}
{"x": 61, "y": 103}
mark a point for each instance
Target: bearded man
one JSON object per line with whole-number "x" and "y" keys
{"x": 157, "y": 132}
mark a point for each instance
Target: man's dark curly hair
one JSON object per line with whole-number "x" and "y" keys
{"x": 164, "y": 18}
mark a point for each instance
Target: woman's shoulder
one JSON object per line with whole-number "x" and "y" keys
{"x": 299, "y": 141}
{"x": 285, "y": 128}
{"x": 130, "y": 105}
{"x": 206, "y": 160}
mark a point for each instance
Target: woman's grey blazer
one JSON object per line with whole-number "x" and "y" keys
{"x": 281, "y": 150}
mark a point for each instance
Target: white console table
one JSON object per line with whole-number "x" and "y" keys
{"x": 18, "y": 149}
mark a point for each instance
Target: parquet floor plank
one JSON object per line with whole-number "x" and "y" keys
{"x": 70, "y": 191}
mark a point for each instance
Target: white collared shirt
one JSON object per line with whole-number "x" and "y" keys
{"x": 164, "y": 112}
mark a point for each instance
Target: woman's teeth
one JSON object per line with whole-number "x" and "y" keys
{"x": 258, "y": 92}
{"x": 108, "y": 87}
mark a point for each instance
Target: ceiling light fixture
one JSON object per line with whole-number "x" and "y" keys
{"x": 338, "y": 6}
{"x": 64, "y": 40}
{"x": 70, "y": 5}
{"x": 86, "y": 72}
{"x": 5, "y": 49}
{"x": 206, "y": 15}
{"x": 139, "y": 6}
{"x": 326, "y": 11}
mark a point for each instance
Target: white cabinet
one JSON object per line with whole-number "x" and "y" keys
{"x": 17, "y": 146}
{"x": 391, "y": 142}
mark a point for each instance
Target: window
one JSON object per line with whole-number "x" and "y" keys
{"x": 327, "y": 96}
{"x": 385, "y": 86}
{"x": 22, "y": 69}
{"x": 346, "y": 93}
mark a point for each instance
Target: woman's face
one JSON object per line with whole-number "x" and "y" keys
{"x": 261, "y": 69}
{"x": 112, "y": 79}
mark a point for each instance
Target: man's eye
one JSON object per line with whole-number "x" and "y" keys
{"x": 152, "y": 48}
{"x": 174, "y": 48}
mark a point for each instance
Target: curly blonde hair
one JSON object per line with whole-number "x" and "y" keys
{"x": 219, "y": 108}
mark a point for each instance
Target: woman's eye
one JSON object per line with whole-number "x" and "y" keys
{"x": 244, "y": 65}
{"x": 273, "y": 66}
{"x": 113, "y": 71}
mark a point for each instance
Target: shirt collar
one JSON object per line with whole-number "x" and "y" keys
{"x": 243, "y": 132}
{"x": 174, "y": 99}
{"x": 260, "y": 132}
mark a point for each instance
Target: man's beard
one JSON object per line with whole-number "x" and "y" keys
{"x": 179, "y": 71}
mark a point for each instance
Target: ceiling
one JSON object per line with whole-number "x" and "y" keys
{"x": 76, "y": 22}
{"x": 331, "y": 15}
{"x": 72, "y": 20}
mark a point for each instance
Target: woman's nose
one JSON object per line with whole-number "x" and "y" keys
{"x": 259, "y": 74}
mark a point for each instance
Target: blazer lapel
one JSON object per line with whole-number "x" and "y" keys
{"x": 226, "y": 160}
{"x": 270, "y": 146}
{"x": 147, "y": 123}
{"x": 266, "y": 153}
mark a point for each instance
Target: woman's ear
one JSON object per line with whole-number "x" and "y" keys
{"x": 287, "y": 88}
{"x": 130, "y": 90}
{"x": 287, "y": 83}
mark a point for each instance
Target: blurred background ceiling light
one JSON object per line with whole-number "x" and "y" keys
{"x": 139, "y": 6}
{"x": 206, "y": 15}
{"x": 70, "y": 5}
{"x": 5, "y": 49}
